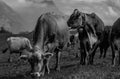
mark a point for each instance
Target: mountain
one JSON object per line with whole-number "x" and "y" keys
{"x": 9, "y": 19}
{"x": 33, "y": 9}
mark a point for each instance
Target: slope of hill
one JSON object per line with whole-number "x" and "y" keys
{"x": 9, "y": 18}
{"x": 30, "y": 13}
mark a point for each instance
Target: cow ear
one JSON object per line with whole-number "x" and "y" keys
{"x": 47, "y": 55}
{"x": 76, "y": 11}
{"x": 25, "y": 57}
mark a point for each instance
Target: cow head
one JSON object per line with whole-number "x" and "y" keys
{"x": 76, "y": 19}
{"x": 36, "y": 60}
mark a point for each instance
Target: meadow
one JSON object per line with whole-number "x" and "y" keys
{"x": 70, "y": 67}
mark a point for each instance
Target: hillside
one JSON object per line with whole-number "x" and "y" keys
{"x": 9, "y": 18}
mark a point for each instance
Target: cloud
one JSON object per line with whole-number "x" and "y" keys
{"x": 49, "y": 2}
{"x": 91, "y": 1}
{"x": 107, "y": 10}
{"x": 78, "y": 1}
{"x": 112, "y": 12}
{"x": 113, "y": 3}
{"x": 17, "y": 4}
{"x": 22, "y": 1}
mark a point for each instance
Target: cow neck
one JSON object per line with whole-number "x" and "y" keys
{"x": 39, "y": 43}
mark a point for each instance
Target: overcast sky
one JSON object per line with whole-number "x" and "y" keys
{"x": 30, "y": 10}
{"x": 108, "y": 10}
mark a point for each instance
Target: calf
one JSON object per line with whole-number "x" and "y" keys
{"x": 17, "y": 45}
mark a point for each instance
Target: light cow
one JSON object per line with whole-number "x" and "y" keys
{"x": 17, "y": 45}
{"x": 50, "y": 35}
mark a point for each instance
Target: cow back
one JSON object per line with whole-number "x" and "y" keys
{"x": 116, "y": 28}
{"x": 17, "y": 43}
{"x": 96, "y": 21}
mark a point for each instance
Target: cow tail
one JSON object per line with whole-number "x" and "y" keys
{"x": 4, "y": 50}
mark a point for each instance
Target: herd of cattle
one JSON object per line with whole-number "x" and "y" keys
{"x": 52, "y": 34}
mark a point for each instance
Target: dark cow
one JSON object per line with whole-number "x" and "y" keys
{"x": 50, "y": 35}
{"x": 115, "y": 42}
{"x": 94, "y": 27}
{"x": 17, "y": 45}
{"x": 104, "y": 45}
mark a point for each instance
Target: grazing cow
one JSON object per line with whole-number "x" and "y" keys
{"x": 115, "y": 42}
{"x": 17, "y": 45}
{"x": 50, "y": 35}
{"x": 94, "y": 27}
{"x": 104, "y": 45}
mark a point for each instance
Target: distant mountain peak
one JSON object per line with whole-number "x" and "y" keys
{"x": 9, "y": 18}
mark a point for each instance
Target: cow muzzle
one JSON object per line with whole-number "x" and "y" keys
{"x": 36, "y": 74}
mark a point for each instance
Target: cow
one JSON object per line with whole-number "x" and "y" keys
{"x": 50, "y": 35}
{"x": 94, "y": 27}
{"x": 104, "y": 45}
{"x": 73, "y": 44}
{"x": 73, "y": 39}
{"x": 115, "y": 42}
{"x": 17, "y": 45}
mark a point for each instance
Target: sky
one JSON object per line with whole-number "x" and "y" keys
{"x": 107, "y": 10}
{"x": 30, "y": 10}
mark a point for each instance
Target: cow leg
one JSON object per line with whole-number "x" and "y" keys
{"x": 57, "y": 59}
{"x": 10, "y": 58}
{"x": 81, "y": 57}
{"x": 84, "y": 57}
{"x": 113, "y": 54}
{"x": 105, "y": 50}
{"x": 82, "y": 60}
{"x": 92, "y": 52}
{"x": 86, "y": 53}
{"x": 47, "y": 66}
{"x": 101, "y": 52}
{"x": 81, "y": 53}
{"x": 119, "y": 57}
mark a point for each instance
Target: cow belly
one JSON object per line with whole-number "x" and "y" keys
{"x": 16, "y": 46}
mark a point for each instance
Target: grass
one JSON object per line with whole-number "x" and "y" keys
{"x": 70, "y": 68}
